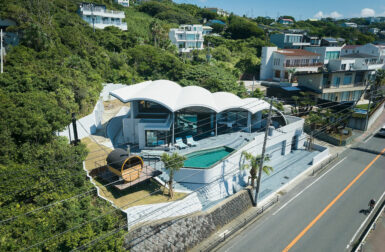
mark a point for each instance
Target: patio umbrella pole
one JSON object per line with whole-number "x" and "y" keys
{"x": 263, "y": 152}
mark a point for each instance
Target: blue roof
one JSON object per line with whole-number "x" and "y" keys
{"x": 291, "y": 88}
{"x": 215, "y": 21}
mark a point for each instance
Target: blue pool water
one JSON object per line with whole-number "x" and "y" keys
{"x": 206, "y": 158}
{"x": 360, "y": 111}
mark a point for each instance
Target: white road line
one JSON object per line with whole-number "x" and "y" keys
{"x": 362, "y": 224}
{"x": 284, "y": 205}
{"x": 370, "y": 137}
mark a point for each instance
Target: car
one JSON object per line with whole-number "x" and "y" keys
{"x": 381, "y": 132}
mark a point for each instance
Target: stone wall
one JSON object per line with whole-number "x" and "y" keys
{"x": 183, "y": 233}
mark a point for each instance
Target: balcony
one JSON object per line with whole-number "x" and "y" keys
{"x": 303, "y": 65}
{"x": 103, "y": 13}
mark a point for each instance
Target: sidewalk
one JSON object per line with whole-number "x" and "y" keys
{"x": 375, "y": 242}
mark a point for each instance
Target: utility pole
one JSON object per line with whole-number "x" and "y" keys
{"x": 1, "y": 52}
{"x": 76, "y": 140}
{"x": 263, "y": 152}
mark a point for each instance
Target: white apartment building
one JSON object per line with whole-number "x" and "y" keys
{"x": 187, "y": 37}
{"x": 278, "y": 65}
{"x": 326, "y": 52}
{"x": 368, "y": 56}
{"x": 99, "y": 17}
{"x": 125, "y": 3}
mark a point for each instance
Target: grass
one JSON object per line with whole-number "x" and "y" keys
{"x": 150, "y": 192}
{"x": 147, "y": 192}
{"x": 97, "y": 154}
{"x": 362, "y": 106}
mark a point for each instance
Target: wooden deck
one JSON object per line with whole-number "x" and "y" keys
{"x": 147, "y": 173}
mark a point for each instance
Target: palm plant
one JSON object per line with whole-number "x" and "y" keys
{"x": 253, "y": 164}
{"x": 172, "y": 163}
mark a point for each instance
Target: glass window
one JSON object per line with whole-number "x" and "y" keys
{"x": 344, "y": 96}
{"x": 343, "y": 67}
{"x": 359, "y": 77}
{"x": 325, "y": 80}
{"x": 336, "y": 81}
{"x": 348, "y": 79}
{"x": 156, "y": 138}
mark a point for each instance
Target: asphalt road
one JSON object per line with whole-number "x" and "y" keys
{"x": 323, "y": 201}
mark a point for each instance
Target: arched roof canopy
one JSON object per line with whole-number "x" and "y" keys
{"x": 175, "y": 98}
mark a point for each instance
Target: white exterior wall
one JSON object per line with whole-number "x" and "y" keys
{"x": 179, "y": 35}
{"x": 267, "y": 63}
{"x": 322, "y": 51}
{"x": 125, "y": 3}
{"x": 233, "y": 162}
{"x": 282, "y": 68}
{"x": 98, "y": 14}
{"x": 335, "y": 64}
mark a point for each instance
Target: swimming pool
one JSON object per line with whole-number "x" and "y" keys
{"x": 206, "y": 158}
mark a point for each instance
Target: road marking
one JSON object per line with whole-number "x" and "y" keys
{"x": 370, "y": 137}
{"x": 314, "y": 221}
{"x": 363, "y": 223}
{"x": 315, "y": 181}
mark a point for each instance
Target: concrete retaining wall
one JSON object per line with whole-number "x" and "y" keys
{"x": 186, "y": 232}
{"x": 360, "y": 122}
{"x": 324, "y": 153}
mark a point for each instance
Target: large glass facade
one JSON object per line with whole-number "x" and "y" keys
{"x": 196, "y": 124}
{"x": 157, "y": 138}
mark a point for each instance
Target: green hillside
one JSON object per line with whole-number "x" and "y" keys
{"x": 58, "y": 68}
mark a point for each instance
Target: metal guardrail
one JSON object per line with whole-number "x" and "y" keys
{"x": 359, "y": 244}
{"x": 238, "y": 225}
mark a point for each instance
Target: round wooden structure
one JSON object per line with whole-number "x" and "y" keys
{"x": 125, "y": 166}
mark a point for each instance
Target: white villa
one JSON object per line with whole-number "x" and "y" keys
{"x": 276, "y": 64}
{"x": 125, "y": 3}
{"x": 188, "y": 37}
{"x": 163, "y": 115}
{"x": 99, "y": 17}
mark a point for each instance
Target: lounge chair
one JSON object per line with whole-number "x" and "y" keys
{"x": 179, "y": 143}
{"x": 191, "y": 142}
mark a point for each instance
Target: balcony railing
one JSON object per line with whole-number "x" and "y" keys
{"x": 318, "y": 64}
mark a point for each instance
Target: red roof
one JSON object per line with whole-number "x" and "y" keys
{"x": 350, "y": 47}
{"x": 296, "y": 52}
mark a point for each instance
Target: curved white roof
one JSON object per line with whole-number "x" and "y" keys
{"x": 174, "y": 97}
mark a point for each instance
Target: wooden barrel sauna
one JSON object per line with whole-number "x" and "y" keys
{"x": 125, "y": 166}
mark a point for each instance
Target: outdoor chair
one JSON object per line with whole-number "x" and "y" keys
{"x": 179, "y": 143}
{"x": 191, "y": 141}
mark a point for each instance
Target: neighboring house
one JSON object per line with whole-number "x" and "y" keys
{"x": 125, "y": 3}
{"x": 280, "y": 65}
{"x": 215, "y": 21}
{"x": 99, "y": 17}
{"x": 326, "y": 52}
{"x": 350, "y": 49}
{"x": 207, "y": 30}
{"x": 349, "y": 25}
{"x": 337, "y": 85}
{"x": 312, "y": 40}
{"x": 219, "y": 12}
{"x": 285, "y": 21}
{"x": 187, "y": 37}
{"x": 288, "y": 40}
{"x": 377, "y": 51}
{"x": 374, "y": 30}
{"x": 372, "y": 20}
{"x": 329, "y": 42}
{"x": 364, "y": 61}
